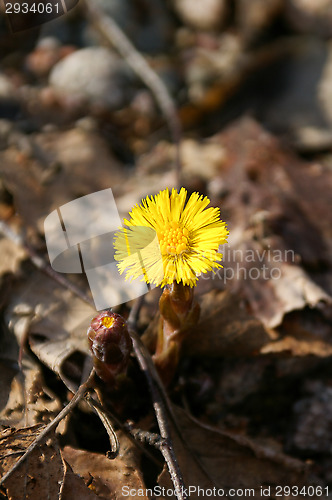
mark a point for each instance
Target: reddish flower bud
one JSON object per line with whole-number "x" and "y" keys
{"x": 110, "y": 344}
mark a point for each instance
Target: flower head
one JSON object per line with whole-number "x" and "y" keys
{"x": 167, "y": 239}
{"x": 110, "y": 344}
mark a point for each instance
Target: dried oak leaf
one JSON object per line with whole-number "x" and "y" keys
{"x": 7, "y": 374}
{"x": 9, "y": 368}
{"x": 57, "y": 324}
{"x": 42, "y": 473}
{"x": 274, "y": 203}
{"x": 11, "y": 256}
{"x": 106, "y": 477}
{"x": 23, "y": 398}
{"x": 297, "y": 347}
{"x": 74, "y": 486}
{"x": 28, "y": 401}
{"x": 231, "y": 461}
{"x": 303, "y": 333}
{"x": 225, "y": 328}
{"x": 54, "y": 168}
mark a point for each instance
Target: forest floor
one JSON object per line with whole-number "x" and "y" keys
{"x": 251, "y": 401}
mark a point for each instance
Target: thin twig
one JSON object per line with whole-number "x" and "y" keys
{"x": 114, "y": 442}
{"x": 126, "y": 428}
{"x": 158, "y": 393}
{"x": 152, "y": 372}
{"x": 166, "y": 446}
{"x": 52, "y": 425}
{"x": 108, "y": 28}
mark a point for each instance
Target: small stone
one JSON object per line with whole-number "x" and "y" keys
{"x": 206, "y": 15}
{"x": 94, "y": 75}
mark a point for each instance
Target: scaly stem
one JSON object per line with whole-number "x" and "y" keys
{"x": 178, "y": 313}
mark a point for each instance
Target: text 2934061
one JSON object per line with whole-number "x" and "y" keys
{"x": 33, "y": 8}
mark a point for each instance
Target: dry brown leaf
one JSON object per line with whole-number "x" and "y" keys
{"x": 9, "y": 368}
{"x": 74, "y": 487}
{"x": 107, "y": 478}
{"x": 295, "y": 291}
{"x": 225, "y": 328}
{"x": 40, "y": 476}
{"x": 55, "y": 168}
{"x": 44, "y": 474}
{"x": 57, "y": 323}
{"x": 194, "y": 154}
{"x": 295, "y": 347}
{"x": 28, "y": 401}
{"x": 7, "y": 374}
{"x": 274, "y": 203}
{"x": 231, "y": 461}
{"x": 23, "y": 400}
{"x": 11, "y": 256}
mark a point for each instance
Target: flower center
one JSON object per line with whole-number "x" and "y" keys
{"x": 107, "y": 321}
{"x": 173, "y": 240}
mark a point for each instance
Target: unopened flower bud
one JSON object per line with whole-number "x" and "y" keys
{"x": 110, "y": 344}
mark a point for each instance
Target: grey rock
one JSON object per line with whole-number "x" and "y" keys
{"x": 206, "y": 15}
{"x": 95, "y": 75}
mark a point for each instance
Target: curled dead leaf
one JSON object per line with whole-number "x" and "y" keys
{"x": 225, "y": 328}
{"x": 296, "y": 347}
{"x": 57, "y": 323}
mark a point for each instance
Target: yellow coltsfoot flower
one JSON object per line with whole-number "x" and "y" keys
{"x": 167, "y": 239}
